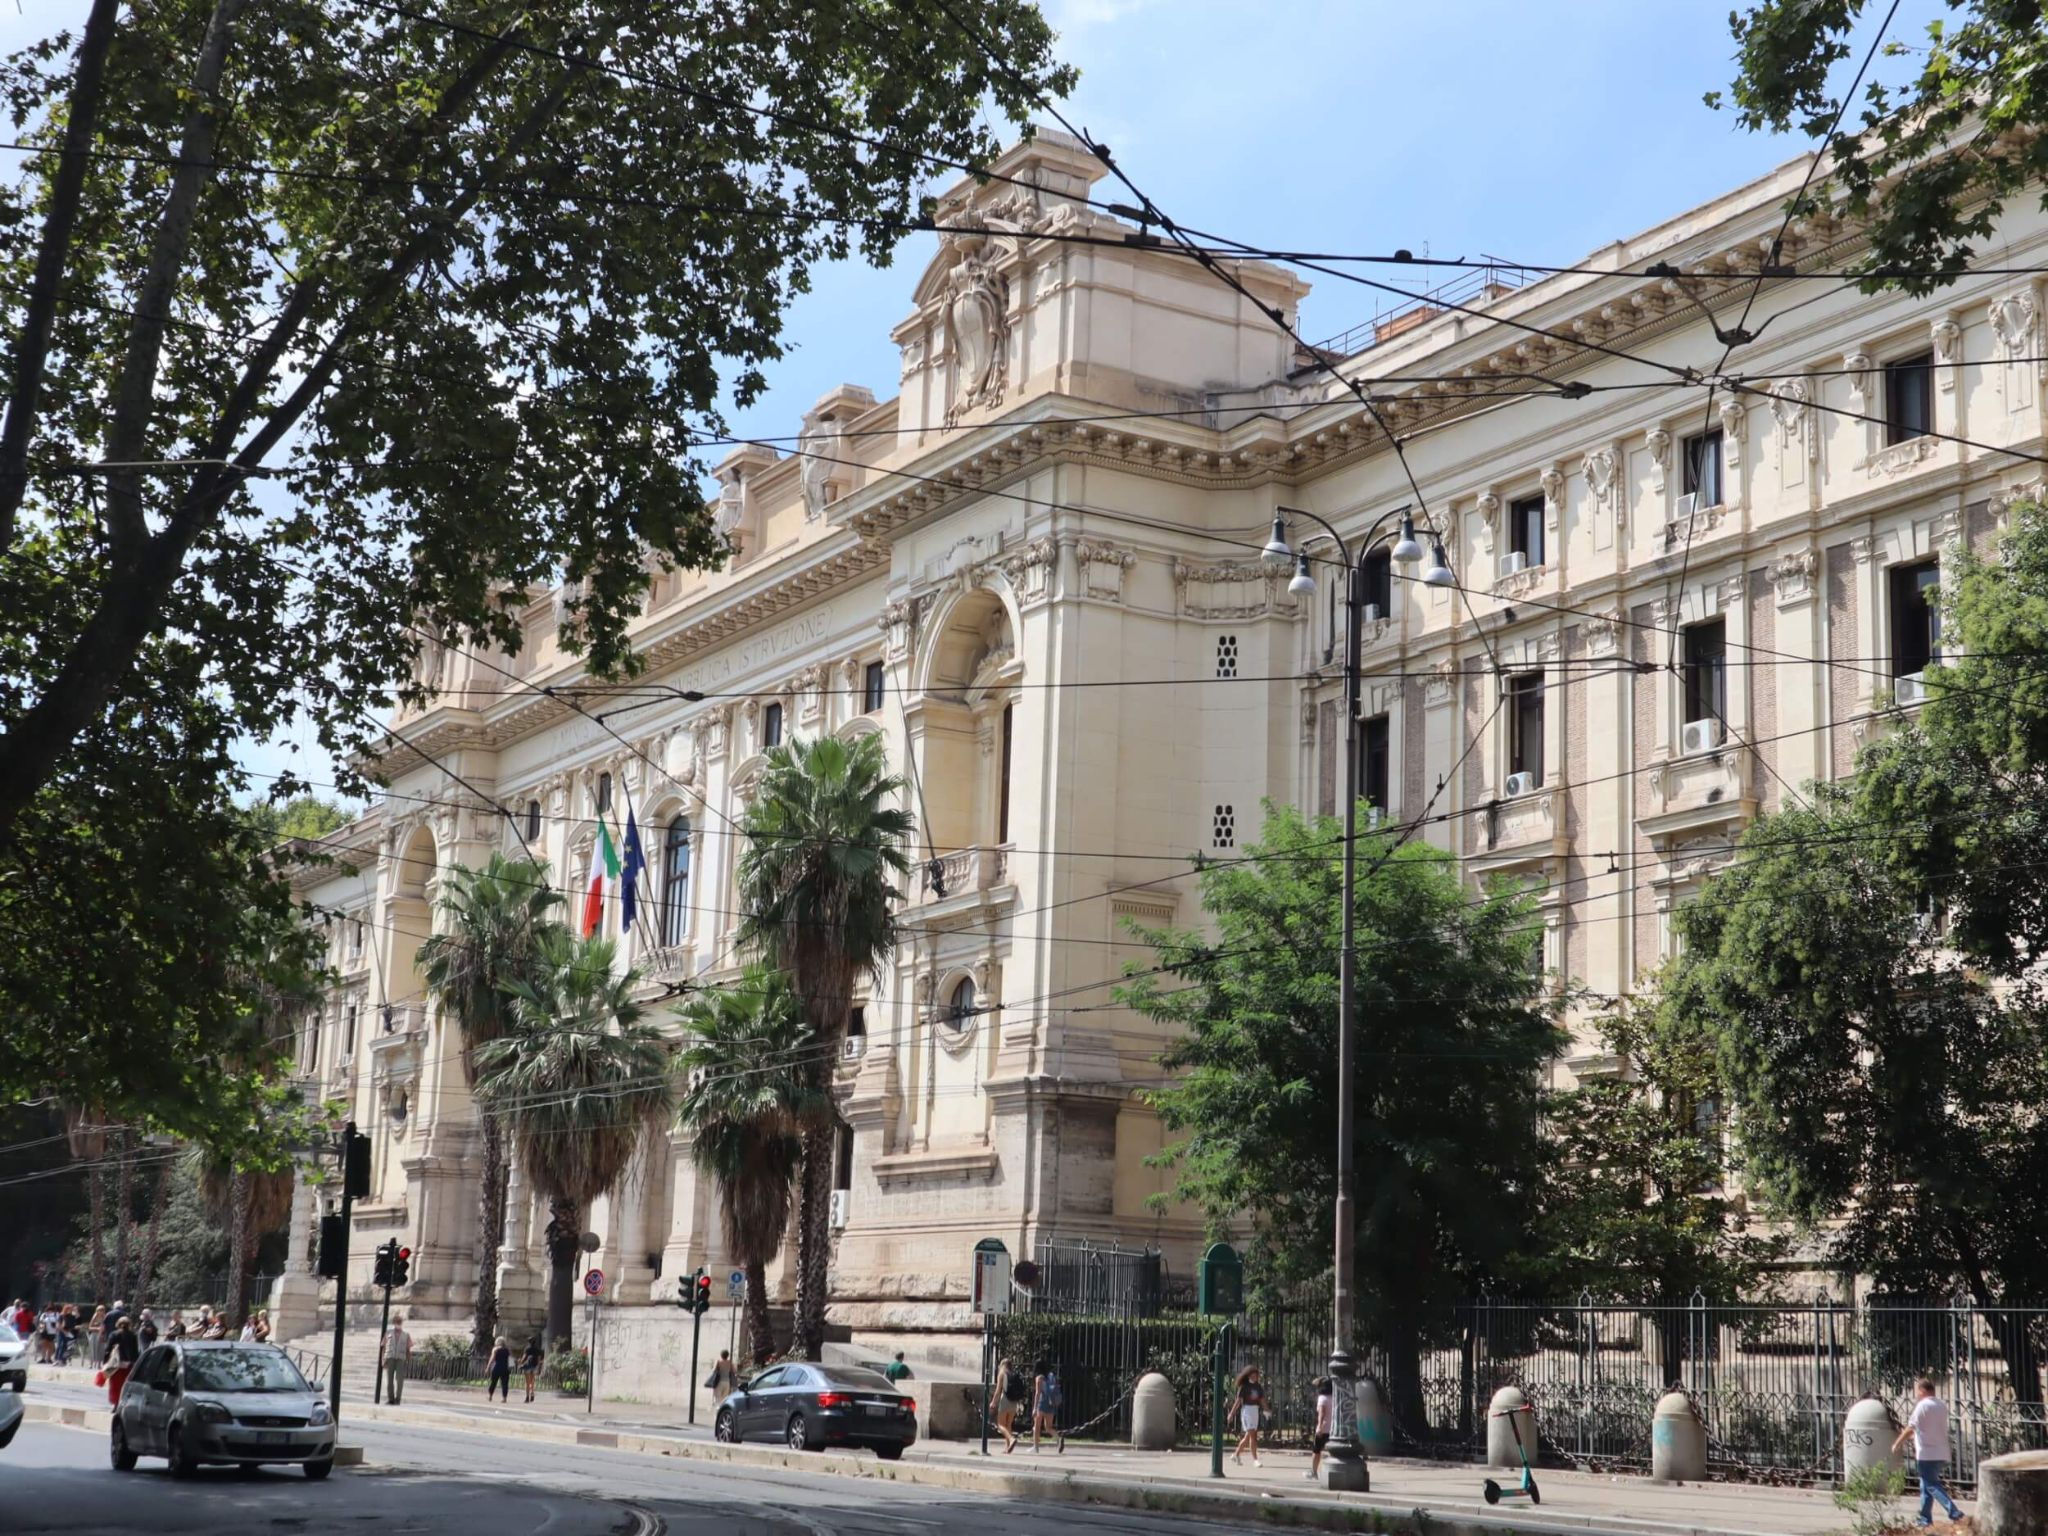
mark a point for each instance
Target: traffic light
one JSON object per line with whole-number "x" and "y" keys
{"x": 703, "y": 1282}
{"x": 686, "y": 1293}
{"x": 333, "y": 1247}
{"x": 380, "y": 1271}
{"x": 401, "y": 1264}
{"x": 355, "y": 1163}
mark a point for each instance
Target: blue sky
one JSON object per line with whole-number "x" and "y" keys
{"x": 1534, "y": 130}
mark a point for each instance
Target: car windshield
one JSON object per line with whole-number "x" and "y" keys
{"x": 8, "y": 1335}
{"x": 854, "y": 1377}
{"x": 242, "y": 1370}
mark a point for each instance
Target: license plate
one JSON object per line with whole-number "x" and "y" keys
{"x": 272, "y": 1437}
{"x": 874, "y": 1410}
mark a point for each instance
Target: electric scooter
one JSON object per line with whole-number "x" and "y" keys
{"x": 1526, "y": 1489}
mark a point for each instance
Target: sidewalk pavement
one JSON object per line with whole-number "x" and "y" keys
{"x": 1278, "y": 1492}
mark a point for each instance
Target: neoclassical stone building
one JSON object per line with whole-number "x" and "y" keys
{"x": 1034, "y": 571}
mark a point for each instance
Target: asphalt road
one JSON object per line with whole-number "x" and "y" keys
{"x": 56, "y": 1480}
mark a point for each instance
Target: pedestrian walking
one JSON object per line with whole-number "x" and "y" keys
{"x": 1009, "y": 1395}
{"x": 46, "y": 1336}
{"x": 397, "y": 1354}
{"x": 499, "y": 1378}
{"x": 175, "y": 1329}
{"x": 96, "y": 1338}
{"x": 1927, "y": 1428}
{"x": 262, "y": 1327}
{"x": 20, "y": 1318}
{"x": 896, "y": 1370}
{"x": 1326, "y": 1410}
{"x": 530, "y": 1363}
{"x": 146, "y": 1329}
{"x": 123, "y": 1350}
{"x": 1246, "y": 1405}
{"x": 724, "y": 1377}
{"x": 67, "y": 1333}
{"x": 1047, "y": 1397}
{"x": 115, "y": 1314}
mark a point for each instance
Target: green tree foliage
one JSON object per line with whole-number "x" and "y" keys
{"x": 374, "y": 321}
{"x": 1456, "y": 1024}
{"x": 580, "y": 1077}
{"x": 494, "y": 920}
{"x": 1640, "y": 1208}
{"x": 817, "y": 880}
{"x": 304, "y": 817}
{"x": 1928, "y": 164}
{"x": 748, "y": 1093}
{"x": 1888, "y": 1079}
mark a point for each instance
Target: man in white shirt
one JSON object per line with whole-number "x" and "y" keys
{"x": 1927, "y": 1428}
{"x": 397, "y": 1351}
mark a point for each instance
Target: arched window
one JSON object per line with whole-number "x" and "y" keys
{"x": 532, "y": 820}
{"x": 960, "y": 1005}
{"x": 675, "y": 881}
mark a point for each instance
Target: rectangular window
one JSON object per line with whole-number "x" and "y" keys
{"x": 1916, "y": 617}
{"x": 1373, "y": 743}
{"x": 857, "y": 1021}
{"x": 1706, "y": 671}
{"x": 348, "y": 1032}
{"x": 771, "y": 726}
{"x": 871, "y": 689}
{"x": 1378, "y": 580}
{"x": 1525, "y": 528}
{"x": 1003, "y": 789}
{"x": 604, "y": 793}
{"x": 842, "y": 1161}
{"x": 1909, "y": 398}
{"x": 1702, "y": 468}
{"x": 1525, "y": 726}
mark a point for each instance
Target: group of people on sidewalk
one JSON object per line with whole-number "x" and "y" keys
{"x": 110, "y": 1339}
{"x": 1013, "y": 1390}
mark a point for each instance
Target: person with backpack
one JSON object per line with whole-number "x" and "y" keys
{"x": 1047, "y": 1397}
{"x": 1005, "y": 1399}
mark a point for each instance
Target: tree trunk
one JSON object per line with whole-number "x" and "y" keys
{"x": 490, "y": 1235}
{"x": 152, "y": 1242}
{"x": 813, "y": 1241}
{"x": 96, "y": 1195}
{"x": 241, "y": 1248}
{"x": 564, "y": 1238}
{"x": 124, "y": 1210}
{"x": 760, "y": 1336}
{"x": 1404, "y": 1376}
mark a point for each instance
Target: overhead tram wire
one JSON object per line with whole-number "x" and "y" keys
{"x": 1740, "y": 334}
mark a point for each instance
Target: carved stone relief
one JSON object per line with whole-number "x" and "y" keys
{"x": 1792, "y": 577}
{"x": 1103, "y": 568}
{"x": 1029, "y": 570}
{"x": 1231, "y": 589}
{"x": 1659, "y": 443}
{"x": 1602, "y": 471}
{"x": 1553, "y": 497}
{"x": 977, "y": 323}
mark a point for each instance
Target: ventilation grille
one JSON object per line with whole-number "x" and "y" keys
{"x": 1226, "y": 826}
{"x": 1226, "y": 655}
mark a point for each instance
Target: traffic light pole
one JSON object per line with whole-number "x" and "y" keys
{"x": 696, "y": 1333}
{"x": 355, "y": 1180}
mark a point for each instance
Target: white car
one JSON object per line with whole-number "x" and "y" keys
{"x": 10, "y": 1417}
{"x": 13, "y": 1359}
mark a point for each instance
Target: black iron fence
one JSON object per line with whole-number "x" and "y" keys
{"x": 1771, "y": 1381}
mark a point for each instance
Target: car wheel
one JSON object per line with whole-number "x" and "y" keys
{"x": 798, "y": 1435}
{"x": 315, "y": 1470}
{"x": 889, "y": 1452}
{"x": 181, "y": 1464}
{"x": 122, "y": 1458}
{"x": 726, "y": 1427}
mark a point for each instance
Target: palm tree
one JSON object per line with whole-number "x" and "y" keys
{"x": 252, "y": 1202}
{"x": 579, "y": 1079}
{"x": 493, "y": 920}
{"x": 746, "y": 1098}
{"x": 817, "y": 881}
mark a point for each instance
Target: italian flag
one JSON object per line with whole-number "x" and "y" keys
{"x": 604, "y": 871}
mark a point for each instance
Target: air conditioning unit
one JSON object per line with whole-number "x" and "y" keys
{"x": 842, "y": 1207}
{"x": 853, "y": 1047}
{"x": 1912, "y": 688}
{"x": 1375, "y": 818}
{"x": 1700, "y": 736}
{"x": 1521, "y": 784}
{"x": 1511, "y": 562}
{"x": 1687, "y": 505}
{"x": 1372, "y": 613}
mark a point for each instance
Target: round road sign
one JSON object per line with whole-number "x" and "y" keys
{"x": 594, "y": 1282}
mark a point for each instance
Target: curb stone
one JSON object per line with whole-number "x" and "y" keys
{"x": 100, "y": 1421}
{"x": 1354, "y": 1513}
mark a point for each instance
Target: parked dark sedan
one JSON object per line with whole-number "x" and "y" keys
{"x": 808, "y": 1407}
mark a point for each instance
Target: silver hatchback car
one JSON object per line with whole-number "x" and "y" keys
{"x": 198, "y": 1402}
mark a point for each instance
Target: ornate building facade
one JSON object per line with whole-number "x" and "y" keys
{"x": 1035, "y": 572}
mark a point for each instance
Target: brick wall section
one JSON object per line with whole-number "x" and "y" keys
{"x": 1577, "y": 759}
{"x": 1415, "y": 782}
{"x": 1980, "y": 528}
{"x": 1766, "y": 787}
{"x": 1642, "y": 863}
{"x": 1842, "y": 682}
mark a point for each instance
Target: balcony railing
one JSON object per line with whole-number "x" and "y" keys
{"x": 965, "y": 870}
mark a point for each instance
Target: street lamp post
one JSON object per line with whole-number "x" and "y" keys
{"x": 1345, "y": 1455}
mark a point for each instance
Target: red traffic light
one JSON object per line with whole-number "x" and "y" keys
{"x": 405, "y": 1253}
